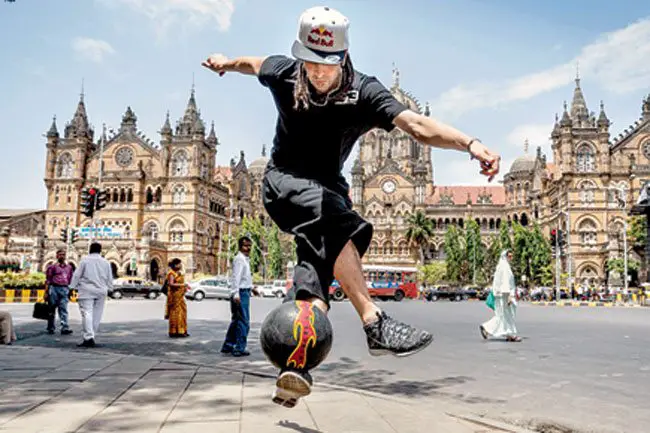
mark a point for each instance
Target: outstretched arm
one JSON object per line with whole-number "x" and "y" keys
{"x": 429, "y": 131}
{"x": 244, "y": 65}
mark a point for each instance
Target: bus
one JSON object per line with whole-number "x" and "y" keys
{"x": 385, "y": 282}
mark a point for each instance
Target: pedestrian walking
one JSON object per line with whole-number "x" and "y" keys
{"x": 57, "y": 292}
{"x": 176, "y": 307}
{"x": 93, "y": 279}
{"x": 240, "y": 296}
{"x": 502, "y": 324}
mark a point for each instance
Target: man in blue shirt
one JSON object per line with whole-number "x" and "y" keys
{"x": 324, "y": 106}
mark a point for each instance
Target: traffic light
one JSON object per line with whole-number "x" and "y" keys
{"x": 73, "y": 235}
{"x": 64, "y": 235}
{"x": 101, "y": 199}
{"x": 553, "y": 240}
{"x": 561, "y": 238}
{"x": 88, "y": 201}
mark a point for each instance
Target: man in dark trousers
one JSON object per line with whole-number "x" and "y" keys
{"x": 241, "y": 286}
{"x": 324, "y": 106}
{"x": 57, "y": 285}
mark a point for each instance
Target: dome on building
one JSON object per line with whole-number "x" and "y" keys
{"x": 523, "y": 163}
{"x": 259, "y": 165}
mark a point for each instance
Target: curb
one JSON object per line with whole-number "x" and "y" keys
{"x": 583, "y": 304}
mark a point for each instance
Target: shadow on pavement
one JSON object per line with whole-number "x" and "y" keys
{"x": 149, "y": 338}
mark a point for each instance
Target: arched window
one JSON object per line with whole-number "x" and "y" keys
{"x": 180, "y": 164}
{"x": 149, "y": 195}
{"x": 588, "y": 232}
{"x": 176, "y": 230}
{"x": 152, "y": 231}
{"x": 178, "y": 194}
{"x": 65, "y": 166}
{"x": 587, "y": 190}
{"x": 158, "y": 197}
{"x": 585, "y": 159}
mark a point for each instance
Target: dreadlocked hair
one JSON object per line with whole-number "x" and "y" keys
{"x": 301, "y": 88}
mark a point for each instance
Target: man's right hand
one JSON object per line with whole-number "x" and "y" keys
{"x": 216, "y": 63}
{"x": 235, "y": 298}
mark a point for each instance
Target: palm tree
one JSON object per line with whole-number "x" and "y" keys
{"x": 420, "y": 229}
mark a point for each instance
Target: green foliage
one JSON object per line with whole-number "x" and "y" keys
{"x": 454, "y": 251}
{"x": 636, "y": 232}
{"x": 618, "y": 265}
{"x": 432, "y": 273}
{"x": 275, "y": 258}
{"x": 474, "y": 253}
{"x": 15, "y": 280}
{"x": 419, "y": 231}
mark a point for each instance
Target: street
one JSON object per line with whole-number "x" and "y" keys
{"x": 583, "y": 368}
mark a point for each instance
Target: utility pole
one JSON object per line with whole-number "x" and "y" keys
{"x": 557, "y": 264}
{"x": 568, "y": 249}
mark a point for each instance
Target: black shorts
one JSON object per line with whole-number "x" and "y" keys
{"x": 322, "y": 221}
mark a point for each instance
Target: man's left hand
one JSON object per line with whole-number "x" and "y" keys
{"x": 255, "y": 292}
{"x": 489, "y": 161}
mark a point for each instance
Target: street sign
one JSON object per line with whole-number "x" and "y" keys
{"x": 100, "y": 232}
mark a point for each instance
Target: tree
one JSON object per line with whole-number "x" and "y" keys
{"x": 419, "y": 231}
{"x": 505, "y": 242}
{"x": 432, "y": 273}
{"x": 454, "y": 251}
{"x": 491, "y": 259}
{"x": 474, "y": 252}
{"x": 540, "y": 257}
{"x": 275, "y": 258}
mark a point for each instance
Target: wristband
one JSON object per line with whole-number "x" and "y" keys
{"x": 469, "y": 144}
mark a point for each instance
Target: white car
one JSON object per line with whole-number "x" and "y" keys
{"x": 270, "y": 291}
{"x": 209, "y": 288}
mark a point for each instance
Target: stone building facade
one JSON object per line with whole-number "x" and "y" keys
{"x": 584, "y": 190}
{"x": 165, "y": 199}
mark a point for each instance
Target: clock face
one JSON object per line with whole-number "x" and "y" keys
{"x": 388, "y": 187}
{"x": 124, "y": 156}
{"x": 646, "y": 149}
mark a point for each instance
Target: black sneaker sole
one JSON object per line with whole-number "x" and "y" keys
{"x": 382, "y": 352}
{"x": 290, "y": 387}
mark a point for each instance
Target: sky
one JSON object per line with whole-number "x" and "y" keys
{"x": 498, "y": 70}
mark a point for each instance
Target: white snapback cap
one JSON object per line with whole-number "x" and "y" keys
{"x": 322, "y": 36}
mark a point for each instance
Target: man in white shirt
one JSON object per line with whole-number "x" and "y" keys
{"x": 240, "y": 295}
{"x": 93, "y": 279}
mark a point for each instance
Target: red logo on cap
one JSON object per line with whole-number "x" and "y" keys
{"x": 321, "y": 36}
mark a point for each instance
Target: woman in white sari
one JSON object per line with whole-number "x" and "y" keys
{"x": 505, "y": 302}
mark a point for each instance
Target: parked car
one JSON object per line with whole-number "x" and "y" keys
{"x": 134, "y": 287}
{"x": 218, "y": 288}
{"x": 271, "y": 291}
{"x": 447, "y": 292}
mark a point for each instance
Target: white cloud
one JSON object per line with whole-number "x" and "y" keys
{"x": 92, "y": 49}
{"x": 537, "y": 134}
{"x": 618, "y": 61}
{"x": 196, "y": 13}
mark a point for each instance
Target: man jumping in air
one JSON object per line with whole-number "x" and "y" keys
{"x": 324, "y": 105}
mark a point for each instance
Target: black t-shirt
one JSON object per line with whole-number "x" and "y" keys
{"x": 316, "y": 142}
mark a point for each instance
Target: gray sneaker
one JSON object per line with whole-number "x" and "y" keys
{"x": 291, "y": 385}
{"x": 387, "y": 336}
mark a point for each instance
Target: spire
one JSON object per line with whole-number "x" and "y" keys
{"x": 167, "y": 127}
{"x": 395, "y": 76}
{"x": 566, "y": 120}
{"x": 191, "y": 117}
{"x": 556, "y": 127}
{"x": 427, "y": 109}
{"x": 53, "y": 132}
{"x": 603, "y": 121}
{"x": 212, "y": 137}
{"x": 129, "y": 120}
{"x": 357, "y": 169}
{"x": 79, "y": 126}
{"x": 645, "y": 108}
{"x": 579, "y": 111}
{"x": 264, "y": 150}
{"x": 526, "y": 144}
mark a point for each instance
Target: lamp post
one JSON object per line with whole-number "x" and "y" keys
{"x": 623, "y": 200}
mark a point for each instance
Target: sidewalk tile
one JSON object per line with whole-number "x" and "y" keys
{"x": 260, "y": 414}
{"x": 347, "y": 412}
{"x": 143, "y": 408}
{"x": 218, "y": 399}
{"x": 207, "y": 427}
